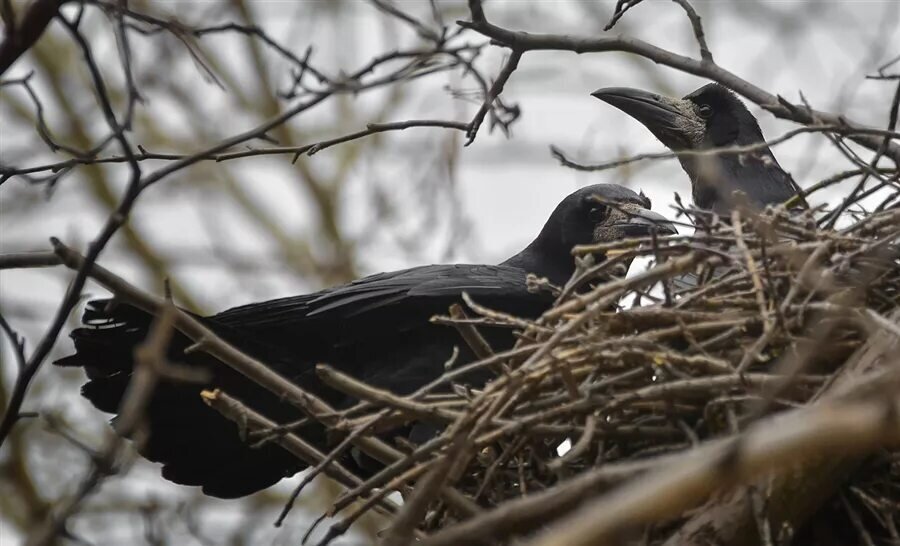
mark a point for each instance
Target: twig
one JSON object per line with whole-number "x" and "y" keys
{"x": 790, "y": 439}
{"x": 526, "y": 41}
{"x": 511, "y": 64}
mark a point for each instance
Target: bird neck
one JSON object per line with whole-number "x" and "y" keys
{"x": 758, "y": 176}
{"x": 544, "y": 260}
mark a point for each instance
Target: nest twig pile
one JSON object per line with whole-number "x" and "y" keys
{"x": 753, "y": 347}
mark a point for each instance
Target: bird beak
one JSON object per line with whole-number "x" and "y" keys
{"x": 673, "y": 121}
{"x": 642, "y": 222}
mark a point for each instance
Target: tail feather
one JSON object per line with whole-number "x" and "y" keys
{"x": 195, "y": 444}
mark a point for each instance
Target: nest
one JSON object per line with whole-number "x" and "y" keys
{"x": 745, "y": 320}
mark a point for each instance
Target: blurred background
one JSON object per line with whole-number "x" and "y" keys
{"x": 233, "y": 232}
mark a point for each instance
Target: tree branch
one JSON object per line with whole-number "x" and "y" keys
{"x": 519, "y": 41}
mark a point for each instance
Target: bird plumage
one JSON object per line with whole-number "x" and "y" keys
{"x": 720, "y": 146}
{"x": 706, "y": 127}
{"x": 376, "y": 329}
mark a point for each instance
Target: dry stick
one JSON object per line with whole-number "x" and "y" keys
{"x": 790, "y": 438}
{"x": 697, "y": 386}
{"x": 607, "y": 405}
{"x": 442, "y": 475}
{"x": 419, "y": 27}
{"x": 41, "y": 127}
{"x": 368, "y": 393}
{"x": 352, "y": 438}
{"x": 508, "y": 451}
{"x": 17, "y": 343}
{"x": 622, "y": 7}
{"x": 857, "y": 523}
{"x": 401, "y": 530}
{"x": 339, "y": 528}
{"x": 262, "y": 129}
{"x": 273, "y": 382}
{"x": 28, "y": 259}
{"x": 371, "y": 129}
{"x": 248, "y": 419}
{"x": 523, "y": 515}
{"x": 511, "y": 64}
{"x": 830, "y": 181}
{"x": 748, "y": 149}
{"x": 795, "y": 496}
{"x": 448, "y": 376}
{"x": 883, "y": 322}
{"x": 667, "y": 269}
{"x": 790, "y": 369}
{"x": 580, "y": 446}
{"x": 427, "y": 412}
{"x": 699, "y": 327}
{"x": 501, "y": 317}
{"x": 456, "y": 499}
{"x": 470, "y": 334}
{"x": 871, "y": 166}
{"x": 295, "y": 151}
{"x": 697, "y": 26}
{"x": 389, "y": 472}
{"x": 756, "y": 500}
{"x": 753, "y": 352}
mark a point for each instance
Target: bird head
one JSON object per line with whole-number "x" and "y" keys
{"x": 602, "y": 213}
{"x": 708, "y": 119}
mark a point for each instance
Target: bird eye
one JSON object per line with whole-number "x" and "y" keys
{"x": 705, "y": 110}
{"x": 597, "y": 214}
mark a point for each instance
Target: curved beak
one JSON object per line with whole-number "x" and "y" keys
{"x": 673, "y": 121}
{"x": 642, "y": 222}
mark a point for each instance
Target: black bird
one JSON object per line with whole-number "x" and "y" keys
{"x": 709, "y": 118}
{"x": 375, "y": 329}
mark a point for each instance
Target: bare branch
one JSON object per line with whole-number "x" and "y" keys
{"x": 522, "y": 42}
{"x": 790, "y": 439}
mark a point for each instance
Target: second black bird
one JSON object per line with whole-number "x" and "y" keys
{"x": 707, "y": 123}
{"x": 376, "y": 329}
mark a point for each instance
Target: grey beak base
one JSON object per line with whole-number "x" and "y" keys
{"x": 654, "y": 111}
{"x": 645, "y": 222}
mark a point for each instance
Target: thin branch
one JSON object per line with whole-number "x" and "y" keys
{"x": 789, "y": 439}
{"x": 560, "y": 156}
{"x": 113, "y": 223}
{"x": 511, "y": 64}
{"x": 697, "y": 26}
{"x": 296, "y": 151}
{"x": 522, "y": 42}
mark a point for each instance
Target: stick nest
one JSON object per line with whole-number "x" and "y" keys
{"x": 746, "y": 318}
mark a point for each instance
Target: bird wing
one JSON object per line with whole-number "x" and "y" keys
{"x": 393, "y": 301}
{"x": 375, "y": 328}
